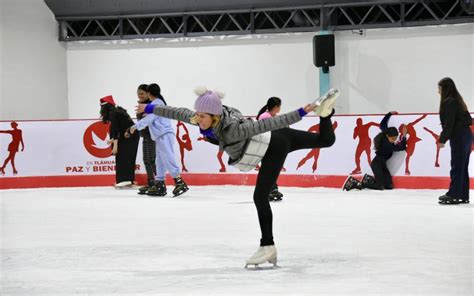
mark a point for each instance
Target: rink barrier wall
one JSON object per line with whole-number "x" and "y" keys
{"x": 61, "y": 153}
{"x": 401, "y": 182}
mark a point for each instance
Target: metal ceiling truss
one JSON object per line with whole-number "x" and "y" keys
{"x": 348, "y": 16}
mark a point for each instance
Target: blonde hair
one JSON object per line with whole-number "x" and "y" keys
{"x": 216, "y": 119}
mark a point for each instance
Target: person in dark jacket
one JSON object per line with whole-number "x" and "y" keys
{"x": 124, "y": 149}
{"x": 455, "y": 122}
{"x": 385, "y": 144}
{"x": 148, "y": 145}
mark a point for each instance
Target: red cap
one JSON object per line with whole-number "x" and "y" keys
{"x": 107, "y": 99}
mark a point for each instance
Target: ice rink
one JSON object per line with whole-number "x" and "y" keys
{"x": 105, "y": 241}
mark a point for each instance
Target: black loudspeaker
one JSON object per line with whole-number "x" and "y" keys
{"x": 468, "y": 6}
{"x": 323, "y": 51}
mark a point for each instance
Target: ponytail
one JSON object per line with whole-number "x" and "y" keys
{"x": 271, "y": 103}
{"x": 263, "y": 110}
{"x": 155, "y": 90}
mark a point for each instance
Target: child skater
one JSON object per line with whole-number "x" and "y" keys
{"x": 148, "y": 145}
{"x": 385, "y": 145}
{"x": 271, "y": 109}
{"x": 163, "y": 135}
{"x": 249, "y": 142}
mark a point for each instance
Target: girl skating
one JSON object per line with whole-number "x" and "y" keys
{"x": 249, "y": 142}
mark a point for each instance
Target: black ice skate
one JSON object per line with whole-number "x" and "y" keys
{"x": 158, "y": 189}
{"x": 180, "y": 187}
{"x": 352, "y": 183}
{"x": 368, "y": 179}
{"x": 144, "y": 189}
{"x": 275, "y": 195}
{"x": 448, "y": 200}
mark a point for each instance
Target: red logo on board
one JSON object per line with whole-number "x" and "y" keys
{"x": 95, "y": 140}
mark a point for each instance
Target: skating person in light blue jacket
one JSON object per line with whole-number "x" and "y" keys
{"x": 163, "y": 135}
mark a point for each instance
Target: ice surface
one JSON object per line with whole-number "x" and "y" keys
{"x": 107, "y": 241}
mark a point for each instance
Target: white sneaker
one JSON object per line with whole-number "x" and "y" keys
{"x": 124, "y": 184}
{"x": 263, "y": 254}
{"x": 325, "y": 103}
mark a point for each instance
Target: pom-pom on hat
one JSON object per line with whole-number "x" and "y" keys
{"x": 208, "y": 101}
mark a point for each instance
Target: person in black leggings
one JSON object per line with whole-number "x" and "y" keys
{"x": 456, "y": 122}
{"x": 283, "y": 142}
{"x": 271, "y": 141}
{"x": 385, "y": 144}
{"x": 123, "y": 147}
{"x": 148, "y": 145}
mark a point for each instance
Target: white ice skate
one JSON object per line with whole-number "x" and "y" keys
{"x": 264, "y": 254}
{"x": 326, "y": 102}
{"x": 123, "y": 185}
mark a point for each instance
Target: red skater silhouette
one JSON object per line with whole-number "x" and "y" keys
{"x": 314, "y": 153}
{"x": 362, "y": 131}
{"x": 219, "y": 157}
{"x": 411, "y": 141}
{"x": 436, "y": 137}
{"x": 17, "y": 139}
{"x": 184, "y": 142}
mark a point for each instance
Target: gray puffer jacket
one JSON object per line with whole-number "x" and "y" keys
{"x": 234, "y": 130}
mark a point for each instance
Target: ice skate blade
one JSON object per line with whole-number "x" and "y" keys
{"x": 445, "y": 203}
{"x": 124, "y": 188}
{"x": 175, "y": 194}
{"x": 332, "y": 93}
{"x": 254, "y": 267}
{"x": 156, "y": 194}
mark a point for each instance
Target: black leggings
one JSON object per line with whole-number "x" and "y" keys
{"x": 149, "y": 155}
{"x": 460, "y": 153}
{"x": 383, "y": 178}
{"x": 125, "y": 158}
{"x": 283, "y": 141}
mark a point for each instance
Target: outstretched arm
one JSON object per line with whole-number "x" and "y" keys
{"x": 182, "y": 114}
{"x": 250, "y": 128}
{"x": 145, "y": 121}
{"x": 384, "y": 122}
